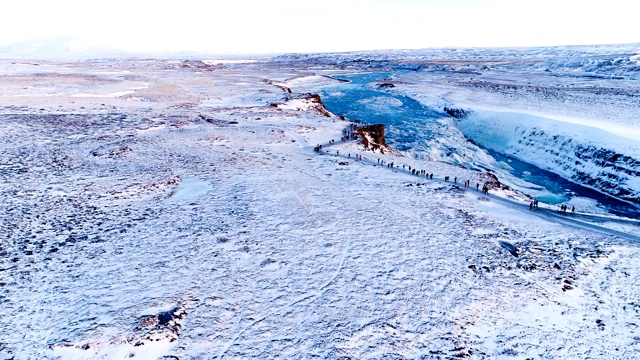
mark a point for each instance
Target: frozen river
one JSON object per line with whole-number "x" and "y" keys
{"x": 421, "y": 131}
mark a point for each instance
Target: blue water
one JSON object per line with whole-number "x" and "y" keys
{"x": 406, "y": 120}
{"x": 411, "y": 126}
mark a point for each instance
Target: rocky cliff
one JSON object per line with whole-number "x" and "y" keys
{"x": 373, "y": 138}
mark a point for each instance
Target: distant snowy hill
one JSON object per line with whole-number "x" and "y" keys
{"x": 58, "y": 48}
{"x": 600, "y": 61}
{"x": 71, "y": 48}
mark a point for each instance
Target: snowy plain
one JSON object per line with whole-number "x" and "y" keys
{"x": 191, "y": 218}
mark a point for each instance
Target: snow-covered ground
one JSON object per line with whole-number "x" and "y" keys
{"x": 192, "y": 219}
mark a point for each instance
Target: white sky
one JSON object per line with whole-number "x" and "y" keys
{"x": 268, "y": 26}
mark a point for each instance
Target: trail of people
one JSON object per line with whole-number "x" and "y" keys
{"x": 577, "y": 220}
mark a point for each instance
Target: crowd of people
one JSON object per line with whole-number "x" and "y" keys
{"x": 564, "y": 208}
{"x": 350, "y": 134}
{"x": 533, "y": 204}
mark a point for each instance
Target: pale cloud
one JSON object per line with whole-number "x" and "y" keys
{"x": 329, "y": 25}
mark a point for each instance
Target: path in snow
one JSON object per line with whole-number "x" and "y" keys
{"x": 548, "y": 214}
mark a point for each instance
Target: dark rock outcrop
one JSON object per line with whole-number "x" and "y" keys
{"x": 317, "y": 104}
{"x": 455, "y": 113}
{"x": 197, "y": 65}
{"x": 372, "y": 136}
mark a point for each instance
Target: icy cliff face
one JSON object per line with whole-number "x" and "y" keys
{"x": 588, "y": 156}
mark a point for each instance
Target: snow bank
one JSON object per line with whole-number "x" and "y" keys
{"x": 114, "y": 351}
